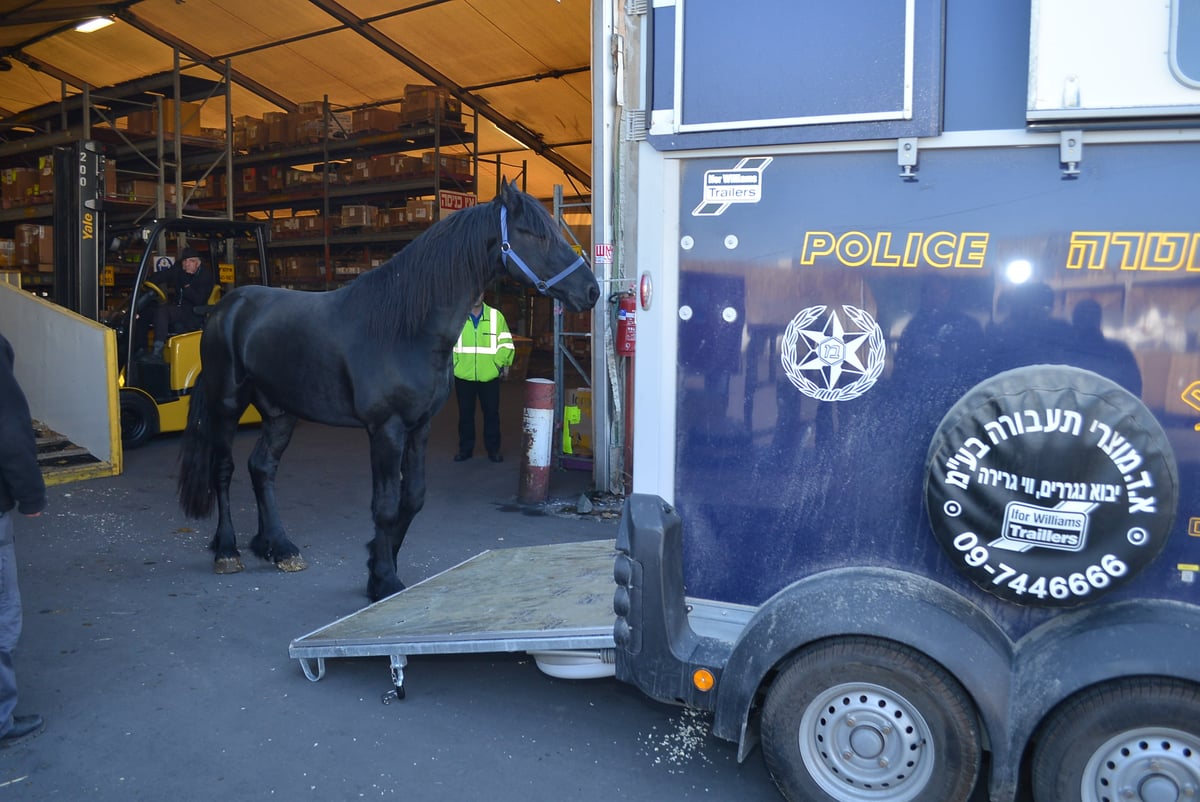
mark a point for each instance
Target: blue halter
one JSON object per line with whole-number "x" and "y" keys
{"x": 507, "y": 252}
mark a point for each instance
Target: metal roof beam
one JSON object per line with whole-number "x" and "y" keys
{"x": 526, "y": 79}
{"x": 526, "y": 137}
{"x": 49, "y": 69}
{"x": 199, "y": 56}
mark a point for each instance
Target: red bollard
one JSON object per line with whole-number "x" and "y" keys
{"x": 538, "y": 438}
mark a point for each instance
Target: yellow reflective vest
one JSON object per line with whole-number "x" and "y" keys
{"x": 483, "y": 349}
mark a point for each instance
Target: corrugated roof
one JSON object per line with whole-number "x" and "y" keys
{"x": 523, "y": 65}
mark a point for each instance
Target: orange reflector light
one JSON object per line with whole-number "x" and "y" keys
{"x": 703, "y": 679}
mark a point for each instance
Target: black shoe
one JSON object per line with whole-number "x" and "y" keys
{"x": 23, "y": 727}
{"x": 461, "y": 457}
{"x": 496, "y": 457}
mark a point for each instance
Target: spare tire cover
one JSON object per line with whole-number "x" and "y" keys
{"x": 1050, "y": 485}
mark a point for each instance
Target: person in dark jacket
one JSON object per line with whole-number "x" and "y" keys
{"x": 186, "y": 284}
{"x": 23, "y": 489}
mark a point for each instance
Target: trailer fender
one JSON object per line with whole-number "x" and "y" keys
{"x": 1093, "y": 645}
{"x": 875, "y": 602}
{"x": 657, "y": 649}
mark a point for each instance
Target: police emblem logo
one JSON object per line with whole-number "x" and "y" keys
{"x": 831, "y": 360}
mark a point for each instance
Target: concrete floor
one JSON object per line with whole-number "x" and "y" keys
{"x": 160, "y": 680}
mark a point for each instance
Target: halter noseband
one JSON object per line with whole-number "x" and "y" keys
{"x": 507, "y": 252}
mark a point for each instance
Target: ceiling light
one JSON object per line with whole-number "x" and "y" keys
{"x": 93, "y": 24}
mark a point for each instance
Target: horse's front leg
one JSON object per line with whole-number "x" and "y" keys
{"x": 390, "y": 508}
{"x": 271, "y": 541}
{"x": 412, "y": 485}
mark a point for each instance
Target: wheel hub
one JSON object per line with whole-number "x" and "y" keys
{"x": 865, "y": 742}
{"x": 1145, "y": 765}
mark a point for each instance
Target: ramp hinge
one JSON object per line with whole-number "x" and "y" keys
{"x": 906, "y": 157}
{"x": 635, "y": 125}
{"x": 637, "y": 8}
{"x": 1070, "y": 152}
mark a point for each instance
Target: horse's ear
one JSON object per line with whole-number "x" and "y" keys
{"x": 505, "y": 189}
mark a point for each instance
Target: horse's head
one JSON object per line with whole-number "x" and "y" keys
{"x": 535, "y": 251}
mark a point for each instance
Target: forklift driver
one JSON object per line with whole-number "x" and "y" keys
{"x": 186, "y": 285}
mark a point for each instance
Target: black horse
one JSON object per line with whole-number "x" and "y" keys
{"x": 375, "y": 354}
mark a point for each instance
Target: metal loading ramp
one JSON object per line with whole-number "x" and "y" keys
{"x": 551, "y": 598}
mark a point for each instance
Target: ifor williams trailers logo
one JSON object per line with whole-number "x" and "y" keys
{"x": 741, "y": 184}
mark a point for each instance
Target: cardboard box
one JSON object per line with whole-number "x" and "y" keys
{"x": 579, "y": 434}
{"x": 311, "y": 225}
{"x": 358, "y": 215}
{"x": 146, "y": 121}
{"x": 15, "y": 183}
{"x": 419, "y": 211}
{"x": 141, "y": 191}
{"x": 33, "y": 245}
{"x": 310, "y": 125}
{"x": 110, "y": 176}
{"x": 285, "y": 228}
{"x": 253, "y": 180}
{"x": 379, "y": 120}
{"x": 430, "y": 103}
{"x": 8, "y": 252}
{"x": 456, "y": 166}
{"x": 256, "y": 134}
{"x": 303, "y": 268}
{"x": 279, "y": 127}
{"x": 360, "y": 169}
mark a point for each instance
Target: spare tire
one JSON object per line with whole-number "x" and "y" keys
{"x": 1050, "y": 485}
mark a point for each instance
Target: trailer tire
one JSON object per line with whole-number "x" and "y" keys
{"x": 1135, "y": 735}
{"x": 1050, "y": 486}
{"x": 864, "y": 719}
{"x": 139, "y": 419}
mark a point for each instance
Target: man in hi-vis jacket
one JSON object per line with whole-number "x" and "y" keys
{"x": 481, "y": 358}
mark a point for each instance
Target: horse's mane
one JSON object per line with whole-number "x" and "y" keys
{"x": 450, "y": 260}
{"x": 453, "y": 259}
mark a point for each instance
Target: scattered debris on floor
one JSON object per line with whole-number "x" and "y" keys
{"x": 605, "y": 506}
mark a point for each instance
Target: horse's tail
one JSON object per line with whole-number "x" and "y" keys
{"x": 196, "y": 456}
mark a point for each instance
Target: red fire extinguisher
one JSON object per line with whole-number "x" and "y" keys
{"x": 626, "y": 324}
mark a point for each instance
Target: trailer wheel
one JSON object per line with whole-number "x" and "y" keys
{"x": 1136, "y": 739}
{"x": 864, "y": 720}
{"x": 139, "y": 419}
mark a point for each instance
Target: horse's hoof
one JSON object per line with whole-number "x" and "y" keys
{"x": 291, "y": 564}
{"x": 227, "y": 565}
{"x": 378, "y": 592}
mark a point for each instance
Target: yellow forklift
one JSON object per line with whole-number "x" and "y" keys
{"x": 154, "y": 392}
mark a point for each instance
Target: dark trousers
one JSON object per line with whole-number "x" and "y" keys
{"x": 171, "y": 318}
{"x": 488, "y": 395}
{"x": 10, "y": 621}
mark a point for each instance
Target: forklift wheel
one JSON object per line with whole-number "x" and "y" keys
{"x": 139, "y": 419}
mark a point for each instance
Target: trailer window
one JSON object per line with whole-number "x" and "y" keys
{"x": 1185, "y": 41}
{"x": 778, "y": 71}
{"x": 1136, "y": 61}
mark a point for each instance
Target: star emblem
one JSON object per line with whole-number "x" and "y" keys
{"x": 833, "y": 351}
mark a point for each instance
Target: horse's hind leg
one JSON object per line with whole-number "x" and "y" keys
{"x": 271, "y": 542}
{"x": 226, "y": 558}
{"x": 390, "y": 447}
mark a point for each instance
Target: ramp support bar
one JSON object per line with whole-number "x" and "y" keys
{"x": 308, "y": 672}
